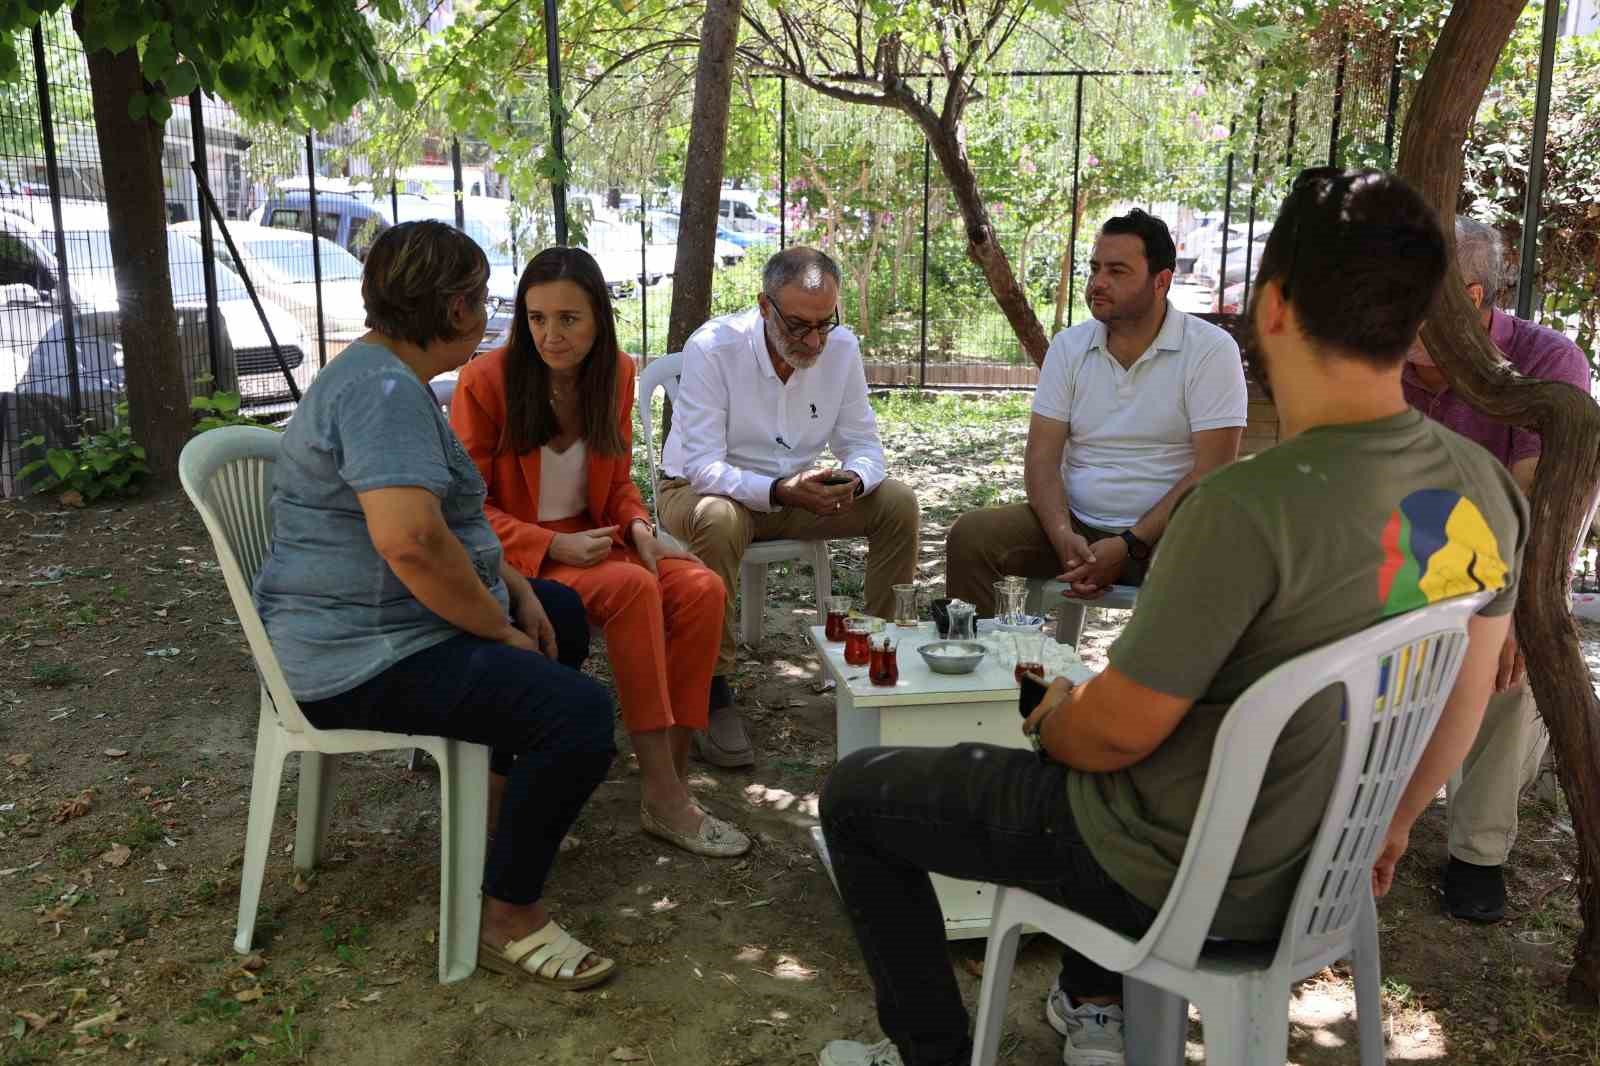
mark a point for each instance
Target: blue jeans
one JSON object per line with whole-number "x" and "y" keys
{"x": 549, "y": 725}
{"x": 975, "y": 812}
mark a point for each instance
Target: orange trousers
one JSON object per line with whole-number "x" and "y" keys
{"x": 651, "y": 621}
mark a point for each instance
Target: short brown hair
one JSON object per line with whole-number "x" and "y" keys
{"x": 412, "y": 274}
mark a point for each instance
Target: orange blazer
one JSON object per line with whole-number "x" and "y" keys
{"x": 478, "y": 415}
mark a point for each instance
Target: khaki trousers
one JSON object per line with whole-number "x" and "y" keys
{"x": 984, "y": 546}
{"x": 719, "y": 529}
{"x": 1503, "y": 760}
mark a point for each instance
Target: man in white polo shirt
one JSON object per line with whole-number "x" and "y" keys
{"x": 763, "y": 392}
{"x": 1132, "y": 408}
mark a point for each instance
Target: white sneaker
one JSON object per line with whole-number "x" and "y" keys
{"x": 855, "y": 1053}
{"x": 1094, "y": 1034}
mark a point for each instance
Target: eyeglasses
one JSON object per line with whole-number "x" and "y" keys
{"x": 1304, "y": 180}
{"x": 798, "y": 330}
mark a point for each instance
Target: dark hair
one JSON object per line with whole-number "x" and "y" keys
{"x": 530, "y": 417}
{"x": 1360, "y": 256}
{"x": 1159, "y": 251}
{"x": 412, "y": 274}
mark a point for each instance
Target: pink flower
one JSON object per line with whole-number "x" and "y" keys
{"x": 1219, "y": 133}
{"x": 1029, "y": 167}
{"x": 1197, "y": 90}
{"x": 1094, "y": 161}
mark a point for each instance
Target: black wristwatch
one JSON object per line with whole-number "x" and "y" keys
{"x": 1138, "y": 550}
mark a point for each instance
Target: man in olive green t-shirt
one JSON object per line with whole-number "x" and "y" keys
{"x": 1365, "y": 511}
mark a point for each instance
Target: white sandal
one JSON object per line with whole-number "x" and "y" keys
{"x": 549, "y": 955}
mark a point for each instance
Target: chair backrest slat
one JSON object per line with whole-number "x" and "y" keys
{"x": 663, "y": 373}
{"x": 227, "y": 475}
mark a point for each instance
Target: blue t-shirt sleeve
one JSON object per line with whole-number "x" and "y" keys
{"x": 386, "y": 434}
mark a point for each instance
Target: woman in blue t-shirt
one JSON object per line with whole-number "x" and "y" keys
{"x": 390, "y": 607}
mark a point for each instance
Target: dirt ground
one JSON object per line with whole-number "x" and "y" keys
{"x": 127, "y": 725}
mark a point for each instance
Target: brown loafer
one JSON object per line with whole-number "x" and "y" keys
{"x": 725, "y": 742}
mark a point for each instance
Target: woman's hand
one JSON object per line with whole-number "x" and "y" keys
{"x": 535, "y": 624}
{"x": 582, "y": 549}
{"x": 652, "y": 551}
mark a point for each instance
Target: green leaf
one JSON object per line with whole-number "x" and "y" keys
{"x": 201, "y": 403}
{"x": 301, "y": 56}
{"x": 227, "y": 402}
{"x": 137, "y": 451}
{"x": 138, "y": 106}
{"x": 183, "y": 80}
{"x": 160, "y": 110}
{"x": 159, "y": 56}
{"x": 61, "y": 463}
{"x": 405, "y": 95}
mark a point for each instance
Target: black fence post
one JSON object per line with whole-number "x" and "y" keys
{"x": 644, "y": 274}
{"x": 208, "y": 247}
{"x": 1394, "y": 105}
{"x": 316, "y": 247}
{"x": 1250, "y": 226}
{"x": 394, "y": 201}
{"x": 927, "y": 154}
{"x": 1533, "y": 204}
{"x": 1072, "y": 237}
{"x": 783, "y": 163}
{"x": 552, "y": 57}
{"x": 1338, "y": 99}
{"x": 1227, "y": 217}
{"x": 69, "y": 325}
{"x": 1294, "y": 119}
{"x": 460, "y": 185}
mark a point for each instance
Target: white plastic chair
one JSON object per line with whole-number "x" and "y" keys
{"x": 227, "y": 474}
{"x": 1071, "y": 611}
{"x": 1396, "y": 677}
{"x": 663, "y": 373}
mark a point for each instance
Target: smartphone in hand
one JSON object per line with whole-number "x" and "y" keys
{"x": 837, "y": 477}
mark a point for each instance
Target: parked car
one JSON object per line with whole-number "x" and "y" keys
{"x": 1211, "y": 266}
{"x": 280, "y": 265}
{"x": 664, "y": 231}
{"x": 740, "y": 211}
{"x": 32, "y": 329}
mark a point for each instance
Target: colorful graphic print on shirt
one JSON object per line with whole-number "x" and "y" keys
{"x": 1437, "y": 545}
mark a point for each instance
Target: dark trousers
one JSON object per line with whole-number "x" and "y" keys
{"x": 551, "y": 726}
{"x": 564, "y": 608}
{"x": 975, "y": 812}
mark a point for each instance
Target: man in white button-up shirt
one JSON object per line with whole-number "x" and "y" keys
{"x": 763, "y": 392}
{"x": 1133, "y": 407}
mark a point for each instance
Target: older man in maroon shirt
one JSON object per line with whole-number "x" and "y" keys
{"x": 1483, "y": 794}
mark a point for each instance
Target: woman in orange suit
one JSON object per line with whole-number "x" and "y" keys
{"x": 548, "y": 421}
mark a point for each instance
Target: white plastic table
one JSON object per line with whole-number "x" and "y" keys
{"x": 934, "y": 710}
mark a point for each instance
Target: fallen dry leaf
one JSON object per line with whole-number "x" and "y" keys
{"x": 97, "y": 1021}
{"x": 626, "y": 1054}
{"x": 76, "y": 807}
{"x": 71, "y": 498}
{"x": 372, "y": 997}
{"x": 252, "y": 963}
{"x": 37, "y": 1021}
{"x": 116, "y": 753}
{"x": 103, "y": 956}
{"x": 118, "y": 856}
{"x": 264, "y": 1041}
{"x": 19, "y": 760}
{"x": 344, "y": 1004}
{"x": 249, "y": 995}
{"x": 300, "y": 886}
{"x": 973, "y": 966}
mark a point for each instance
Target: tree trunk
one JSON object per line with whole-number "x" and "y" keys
{"x": 1061, "y": 291}
{"x": 702, "y": 172}
{"x": 1569, "y": 423}
{"x": 951, "y": 151}
{"x": 130, "y": 152}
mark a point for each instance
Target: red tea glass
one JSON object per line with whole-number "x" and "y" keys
{"x": 884, "y": 666}
{"x": 838, "y": 611}
{"x": 856, "y": 632}
{"x": 1030, "y": 653}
